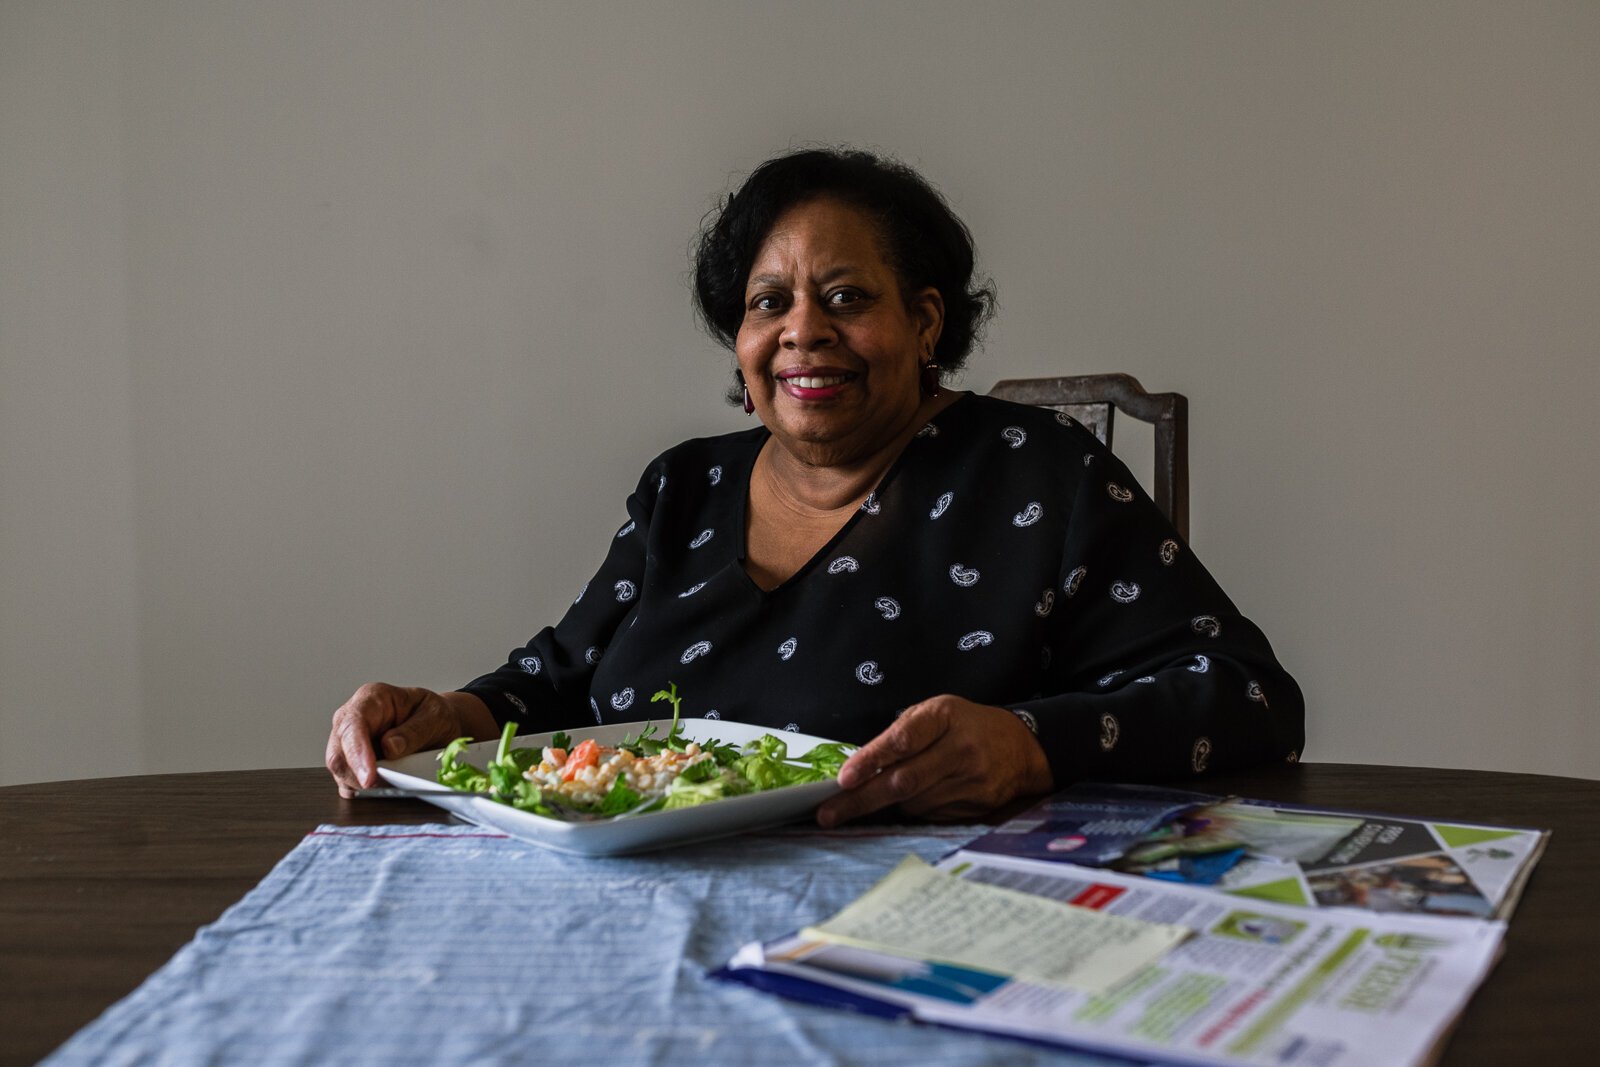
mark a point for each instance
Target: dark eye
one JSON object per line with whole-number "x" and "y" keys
{"x": 841, "y": 297}
{"x": 766, "y": 302}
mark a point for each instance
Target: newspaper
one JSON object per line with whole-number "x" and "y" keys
{"x": 1258, "y": 983}
{"x": 1280, "y": 852}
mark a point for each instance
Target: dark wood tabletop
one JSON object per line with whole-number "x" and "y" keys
{"x": 101, "y": 881}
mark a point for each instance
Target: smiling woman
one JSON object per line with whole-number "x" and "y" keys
{"x": 831, "y": 353}
{"x": 974, "y": 591}
{"x": 830, "y": 348}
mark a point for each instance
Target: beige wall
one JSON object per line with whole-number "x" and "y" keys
{"x": 332, "y": 335}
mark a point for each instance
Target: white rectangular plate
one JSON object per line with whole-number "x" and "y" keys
{"x": 635, "y": 833}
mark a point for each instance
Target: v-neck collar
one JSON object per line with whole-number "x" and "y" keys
{"x": 866, "y": 509}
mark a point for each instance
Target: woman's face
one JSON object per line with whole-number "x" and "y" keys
{"x": 830, "y": 348}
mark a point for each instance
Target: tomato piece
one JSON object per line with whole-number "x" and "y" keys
{"x": 586, "y": 754}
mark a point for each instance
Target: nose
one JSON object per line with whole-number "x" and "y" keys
{"x": 807, "y": 326}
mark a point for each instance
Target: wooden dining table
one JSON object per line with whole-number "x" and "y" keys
{"x": 102, "y": 880}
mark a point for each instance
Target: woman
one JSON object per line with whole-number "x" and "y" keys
{"x": 975, "y": 591}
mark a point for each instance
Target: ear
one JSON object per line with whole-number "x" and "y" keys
{"x": 927, "y": 311}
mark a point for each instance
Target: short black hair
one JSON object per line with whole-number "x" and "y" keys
{"x": 926, "y": 244}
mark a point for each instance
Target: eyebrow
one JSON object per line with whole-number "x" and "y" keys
{"x": 779, "y": 279}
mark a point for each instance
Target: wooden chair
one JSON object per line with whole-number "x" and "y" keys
{"x": 1094, "y": 399}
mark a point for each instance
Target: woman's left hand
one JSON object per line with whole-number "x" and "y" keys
{"x": 944, "y": 759}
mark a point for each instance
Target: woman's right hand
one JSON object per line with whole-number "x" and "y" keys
{"x": 398, "y": 721}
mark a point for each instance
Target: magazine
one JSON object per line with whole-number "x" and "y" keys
{"x": 1280, "y": 852}
{"x": 1257, "y": 982}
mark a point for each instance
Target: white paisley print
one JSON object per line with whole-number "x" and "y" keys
{"x": 963, "y": 576}
{"x": 1110, "y": 730}
{"x": 1074, "y": 580}
{"x": 963, "y": 571}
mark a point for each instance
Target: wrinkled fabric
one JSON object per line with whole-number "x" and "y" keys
{"x": 1006, "y": 557}
{"x": 450, "y": 944}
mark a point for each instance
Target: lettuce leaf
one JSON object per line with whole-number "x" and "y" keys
{"x": 766, "y": 773}
{"x": 503, "y": 777}
{"x": 829, "y": 757}
{"x": 621, "y": 797}
{"x": 687, "y": 794}
{"x": 456, "y": 772}
{"x": 766, "y": 763}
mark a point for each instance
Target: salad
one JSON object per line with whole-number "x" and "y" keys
{"x": 643, "y": 773}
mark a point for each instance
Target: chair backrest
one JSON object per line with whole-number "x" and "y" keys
{"x": 1094, "y": 400}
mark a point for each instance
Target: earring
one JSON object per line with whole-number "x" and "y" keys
{"x": 930, "y": 378}
{"x": 749, "y": 405}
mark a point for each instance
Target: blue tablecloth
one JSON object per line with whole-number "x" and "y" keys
{"x": 448, "y": 945}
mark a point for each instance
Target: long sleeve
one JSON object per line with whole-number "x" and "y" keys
{"x": 1006, "y": 558}
{"x": 1155, "y": 673}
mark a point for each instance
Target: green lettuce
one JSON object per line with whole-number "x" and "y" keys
{"x": 766, "y": 763}
{"x": 687, "y": 793}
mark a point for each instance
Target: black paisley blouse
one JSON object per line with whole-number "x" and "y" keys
{"x": 1007, "y": 557}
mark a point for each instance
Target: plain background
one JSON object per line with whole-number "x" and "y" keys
{"x": 334, "y": 334}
